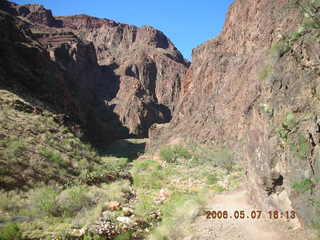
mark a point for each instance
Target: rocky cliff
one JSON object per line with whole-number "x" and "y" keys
{"x": 112, "y": 75}
{"x": 254, "y": 88}
{"x": 146, "y": 63}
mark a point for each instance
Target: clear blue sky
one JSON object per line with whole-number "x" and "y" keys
{"x": 186, "y": 22}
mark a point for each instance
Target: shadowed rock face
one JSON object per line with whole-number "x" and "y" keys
{"x": 144, "y": 54}
{"x": 122, "y": 77}
{"x": 239, "y": 92}
{"x": 57, "y": 76}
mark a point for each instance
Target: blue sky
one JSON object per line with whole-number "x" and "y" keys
{"x": 187, "y": 23}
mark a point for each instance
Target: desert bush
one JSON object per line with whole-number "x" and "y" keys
{"x": 73, "y": 200}
{"x": 114, "y": 164}
{"x": 14, "y": 149}
{"x": 43, "y": 201}
{"x": 280, "y": 48}
{"x": 309, "y": 8}
{"x": 212, "y": 179}
{"x": 171, "y": 154}
{"x": 267, "y": 109}
{"x": 92, "y": 236}
{"x": 102, "y": 171}
{"x": 225, "y": 159}
{"x": 289, "y": 121}
{"x": 182, "y": 208}
{"x": 10, "y": 231}
{"x": 214, "y": 157}
{"x": 304, "y": 185}
{"x": 9, "y": 201}
{"x": 145, "y": 205}
{"x": 149, "y": 174}
{"x": 115, "y": 191}
{"x": 52, "y": 156}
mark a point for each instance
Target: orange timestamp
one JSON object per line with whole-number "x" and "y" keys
{"x": 254, "y": 214}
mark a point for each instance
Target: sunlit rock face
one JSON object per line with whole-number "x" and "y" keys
{"x": 244, "y": 88}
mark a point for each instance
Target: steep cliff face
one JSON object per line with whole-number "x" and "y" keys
{"x": 144, "y": 58}
{"x": 116, "y": 72}
{"x": 64, "y": 75}
{"x": 222, "y": 80}
{"x": 244, "y": 88}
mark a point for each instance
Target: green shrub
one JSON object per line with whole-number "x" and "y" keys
{"x": 73, "y": 200}
{"x": 44, "y": 201}
{"x": 114, "y": 163}
{"x": 167, "y": 155}
{"x": 289, "y": 122}
{"x": 103, "y": 171}
{"x": 302, "y": 148}
{"x": 145, "y": 205}
{"x": 177, "y": 200}
{"x": 311, "y": 24}
{"x": 212, "y": 179}
{"x": 182, "y": 208}
{"x": 14, "y": 149}
{"x": 149, "y": 174}
{"x": 9, "y": 201}
{"x": 224, "y": 159}
{"x": 124, "y": 236}
{"x": 171, "y": 154}
{"x": 91, "y": 236}
{"x": 214, "y": 156}
{"x": 52, "y": 156}
{"x": 10, "y": 231}
{"x": 280, "y": 48}
{"x": 267, "y": 109}
{"x": 304, "y": 185}
{"x": 114, "y": 191}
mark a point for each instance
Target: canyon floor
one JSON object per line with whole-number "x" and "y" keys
{"x": 123, "y": 191}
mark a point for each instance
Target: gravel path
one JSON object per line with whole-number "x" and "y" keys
{"x": 243, "y": 229}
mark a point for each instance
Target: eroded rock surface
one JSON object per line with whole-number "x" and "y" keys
{"x": 123, "y": 78}
{"x": 249, "y": 90}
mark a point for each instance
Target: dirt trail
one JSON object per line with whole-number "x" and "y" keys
{"x": 243, "y": 229}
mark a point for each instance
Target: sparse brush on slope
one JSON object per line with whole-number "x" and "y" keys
{"x": 175, "y": 191}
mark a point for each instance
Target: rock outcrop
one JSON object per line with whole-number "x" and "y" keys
{"x": 119, "y": 78}
{"x": 147, "y": 64}
{"x": 254, "y": 88}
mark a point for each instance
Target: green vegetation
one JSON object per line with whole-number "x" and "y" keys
{"x": 212, "y": 179}
{"x": 288, "y": 125}
{"x": 304, "y": 185}
{"x": 171, "y": 154}
{"x": 267, "y": 109}
{"x": 289, "y": 122}
{"x": 44, "y": 201}
{"x": 14, "y": 149}
{"x": 280, "y": 48}
{"x": 215, "y": 156}
{"x": 301, "y": 148}
{"x": 51, "y": 156}
{"x": 55, "y": 183}
{"x": 309, "y": 9}
{"x": 177, "y": 192}
{"x": 10, "y": 231}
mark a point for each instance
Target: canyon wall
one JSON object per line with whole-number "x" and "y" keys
{"x": 255, "y": 89}
{"x": 115, "y": 79}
